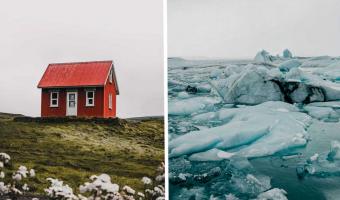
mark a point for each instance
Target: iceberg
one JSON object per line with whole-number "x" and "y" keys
{"x": 287, "y": 54}
{"x": 252, "y": 131}
{"x": 252, "y": 86}
{"x": 263, "y": 57}
{"x": 257, "y": 84}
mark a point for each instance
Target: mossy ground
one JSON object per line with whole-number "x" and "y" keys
{"x": 73, "y": 151}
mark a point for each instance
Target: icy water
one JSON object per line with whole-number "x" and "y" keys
{"x": 283, "y": 174}
{"x": 215, "y": 179}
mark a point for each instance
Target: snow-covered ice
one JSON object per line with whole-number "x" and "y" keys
{"x": 254, "y": 131}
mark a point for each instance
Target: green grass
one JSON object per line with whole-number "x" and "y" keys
{"x": 73, "y": 151}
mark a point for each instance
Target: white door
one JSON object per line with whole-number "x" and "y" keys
{"x": 71, "y": 103}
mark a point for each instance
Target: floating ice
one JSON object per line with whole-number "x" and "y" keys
{"x": 289, "y": 64}
{"x": 322, "y": 113}
{"x": 211, "y": 155}
{"x": 324, "y": 164}
{"x": 220, "y": 178}
{"x": 273, "y": 194}
{"x": 192, "y": 105}
{"x": 319, "y": 62}
{"x": 334, "y": 153}
{"x": 253, "y": 131}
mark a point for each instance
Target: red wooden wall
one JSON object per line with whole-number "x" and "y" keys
{"x": 110, "y": 88}
{"x": 100, "y": 108}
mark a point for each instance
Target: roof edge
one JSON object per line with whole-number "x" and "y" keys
{"x": 114, "y": 78}
{"x": 82, "y": 62}
{"x": 76, "y": 86}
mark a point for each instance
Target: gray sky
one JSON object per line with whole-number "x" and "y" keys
{"x": 240, "y": 28}
{"x": 37, "y": 32}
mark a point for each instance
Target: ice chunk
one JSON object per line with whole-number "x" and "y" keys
{"x": 331, "y": 72}
{"x": 314, "y": 157}
{"x": 253, "y": 131}
{"x": 204, "y": 88}
{"x": 273, "y": 194}
{"x": 334, "y": 153}
{"x": 232, "y": 69}
{"x": 211, "y": 155}
{"x": 252, "y": 86}
{"x": 183, "y": 95}
{"x": 322, "y": 113}
{"x": 324, "y": 164}
{"x": 231, "y": 197}
{"x": 287, "y": 54}
{"x": 251, "y": 184}
{"x": 318, "y": 62}
{"x": 295, "y": 74}
{"x": 216, "y": 73}
{"x": 192, "y": 105}
{"x": 263, "y": 57}
{"x": 289, "y": 64}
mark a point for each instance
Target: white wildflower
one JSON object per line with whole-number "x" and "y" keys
{"x": 146, "y": 180}
{"x": 81, "y": 197}
{"x": 17, "y": 177}
{"x": 4, "y": 189}
{"x": 129, "y": 190}
{"x": 160, "y": 178}
{"x": 59, "y": 190}
{"x": 23, "y": 171}
{"x": 25, "y": 187}
{"x": 140, "y": 194}
{"x": 32, "y": 173}
{"x": 4, "y": 157}
{"x": 159, "y": 189}
{"x": 2, "y": 175}
{"x": 1, "y": 164}
{"x": 100, "y": 183}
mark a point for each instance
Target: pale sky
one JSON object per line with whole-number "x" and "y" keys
{"x": 38, "y": 32}
{"x": 240, "y": 28}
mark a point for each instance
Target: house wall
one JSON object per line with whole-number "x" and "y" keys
{"x": 110, "y": 88}
{"x": 46, "y": 110}
{"x": 82, "y": 110}
{"x": 91, "y": 111}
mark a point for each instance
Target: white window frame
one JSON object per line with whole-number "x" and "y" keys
{"x": 88, "y": 98}
{"x": 110, "y": 101}
{"x": 111, "y": 76}
{"x": 51, "y": 99}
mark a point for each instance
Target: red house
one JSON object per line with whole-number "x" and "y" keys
{"x": 83, "y": 89}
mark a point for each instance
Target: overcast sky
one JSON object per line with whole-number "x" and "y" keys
{"x": 240, "y": 28}
{"x": 38, "y": 32}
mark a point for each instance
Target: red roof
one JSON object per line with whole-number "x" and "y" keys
{"x": 77, "y": 74}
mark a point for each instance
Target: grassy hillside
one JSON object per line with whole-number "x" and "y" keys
{"x": 73, "y": 151}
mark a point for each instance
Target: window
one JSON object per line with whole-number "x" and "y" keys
{"x": 110, "y": 76}
{"x": 89, "y": 98}
{"x": 110, "y": 101}
{"x": 54, "y": 99}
